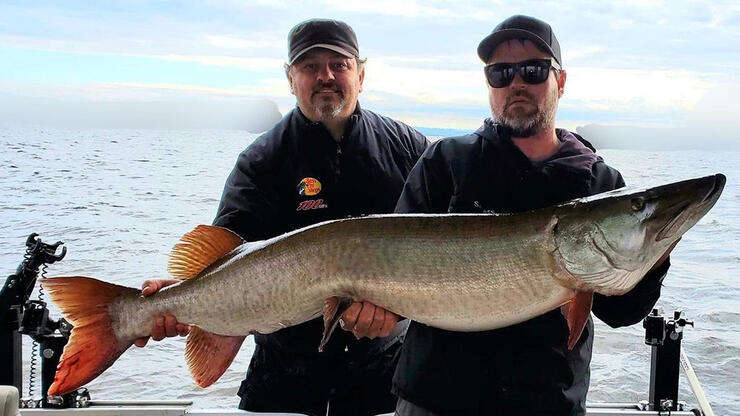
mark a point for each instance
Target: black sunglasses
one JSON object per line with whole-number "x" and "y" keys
{"x": 533, "y": 71}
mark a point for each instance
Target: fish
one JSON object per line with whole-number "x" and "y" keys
{"x": 459, "y": 272}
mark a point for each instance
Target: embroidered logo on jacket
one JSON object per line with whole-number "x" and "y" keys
{"x": 311, "y": 204}
{"x": 309, "y": 187}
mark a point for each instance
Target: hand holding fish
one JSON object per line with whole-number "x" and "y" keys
{"x": 365, "y": 319}
{"x": 166, "y": 325}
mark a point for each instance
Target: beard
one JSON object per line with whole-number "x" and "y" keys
{"x": 328, "y": 109}
{"x": 526, "y": 122}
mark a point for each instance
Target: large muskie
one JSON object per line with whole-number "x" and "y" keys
{"x": 457, "y": 272}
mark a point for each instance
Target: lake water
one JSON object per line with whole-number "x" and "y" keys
{"x": 120, "y": 199}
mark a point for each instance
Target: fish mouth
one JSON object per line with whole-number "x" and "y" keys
{"x": 691, "y": 211}
{"x": 674, "y": 225}
{"x": 719, "y": 184}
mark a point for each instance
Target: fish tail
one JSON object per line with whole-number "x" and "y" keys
{"x": 92, "y": 345}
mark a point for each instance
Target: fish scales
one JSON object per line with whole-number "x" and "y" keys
{"x": 411, "y": 270}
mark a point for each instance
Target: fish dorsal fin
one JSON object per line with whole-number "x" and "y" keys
{"x": 199, "y": 248}
{"x": 209, "y": 355}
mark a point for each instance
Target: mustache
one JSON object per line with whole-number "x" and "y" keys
{"x": 321, "y": 86}
{"x": 518, "y": 94}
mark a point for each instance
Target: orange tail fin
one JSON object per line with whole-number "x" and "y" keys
{"x": 92, "y": 345}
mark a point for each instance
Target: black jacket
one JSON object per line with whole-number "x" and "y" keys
{"x": 362, "y": 174}
{"x": 525, "y": 368}
{"x": 296, "y": 174}
{"x": 272, "y": 190}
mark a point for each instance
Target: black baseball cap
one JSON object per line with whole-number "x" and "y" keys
{"x": 322, "y": 33}
{"x": 521, "y": 27}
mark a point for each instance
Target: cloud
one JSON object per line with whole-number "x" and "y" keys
{"x": 51, "y": 44}
{"x": 253, "y": 115}
{"x": 425, "y": 84}
{"x": 255, "y": 41}
{"x": 718, "y": 108}
{"x": 272, "y": 88}
{"x": 254, "y": 64}
{"x": 247, "y": 6}
{"x": 635, "y": 90}
{"x": 584, "y": 51}
{"x": 409, "y": 8}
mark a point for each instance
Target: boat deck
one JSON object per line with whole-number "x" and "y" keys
{"x": 183, "y": 408}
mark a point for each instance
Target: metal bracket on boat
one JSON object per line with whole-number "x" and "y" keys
{"x": 664, "y": 335}
{"x": 19, "y": 315}
{"x": 78, "y": 399}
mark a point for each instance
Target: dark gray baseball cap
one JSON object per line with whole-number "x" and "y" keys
{"x": 322, "y": 33}
{"x": 521, "y": 27}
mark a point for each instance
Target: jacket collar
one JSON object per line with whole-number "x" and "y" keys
{"x": 574, "y": 154}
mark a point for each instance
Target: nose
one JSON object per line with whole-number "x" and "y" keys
{"x": 325, "y": 73}
{"x": 517, "y": 83}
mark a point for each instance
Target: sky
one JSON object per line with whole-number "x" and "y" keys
{"x": 644, "y": 63}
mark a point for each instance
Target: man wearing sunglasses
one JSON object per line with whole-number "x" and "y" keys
{"x": 516, "y": 161}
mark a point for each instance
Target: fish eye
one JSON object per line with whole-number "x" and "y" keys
{"x": 638, "y": 203}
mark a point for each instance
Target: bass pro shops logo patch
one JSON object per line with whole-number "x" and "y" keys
{"x": 309, "y": 187}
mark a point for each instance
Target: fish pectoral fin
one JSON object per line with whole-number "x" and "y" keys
{"x": 209, "y": 355}
{"x": 199, "y": 248}
{"x": 576, "y": 312}
{"x": 334, "y": 308}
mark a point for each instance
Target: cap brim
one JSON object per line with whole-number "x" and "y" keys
{"x": 334, "y": 48}
{"x": 487, "y": 45}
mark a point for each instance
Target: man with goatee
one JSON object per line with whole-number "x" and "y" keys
{"x": 516, "y": 161}
{"x": 326, "y": 159}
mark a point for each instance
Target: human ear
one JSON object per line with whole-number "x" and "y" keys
{"x": 561, "y": 83}
{"x": 362, "y": 77}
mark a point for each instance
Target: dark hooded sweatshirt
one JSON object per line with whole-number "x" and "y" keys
{"x": 525, "y": 368}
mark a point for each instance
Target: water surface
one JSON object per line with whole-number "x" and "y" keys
{"x": 120, "y": 199}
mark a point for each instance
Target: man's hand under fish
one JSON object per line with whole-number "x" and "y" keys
{"x": 363, "y": 319}
{"x": 164, "y": 325}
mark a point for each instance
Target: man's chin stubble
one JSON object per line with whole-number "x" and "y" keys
{"x": 330, "y": 112}
{"x": 521, "y": 125}
{"x": 527, "y": 124}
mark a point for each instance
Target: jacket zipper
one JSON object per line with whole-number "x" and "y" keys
{"x": 338, "y": 166}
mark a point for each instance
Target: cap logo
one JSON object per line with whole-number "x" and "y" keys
{"x": 309, "y": 187}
